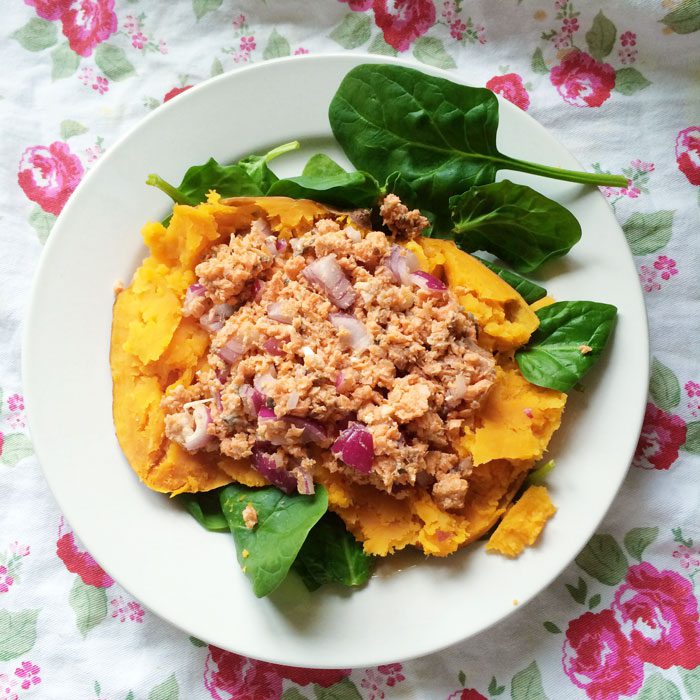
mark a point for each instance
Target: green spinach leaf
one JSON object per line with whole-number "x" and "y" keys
{"x": 257, "y": 169}
{"x": 440, "y": 135}
{"x": 569, "y": 341}
{"x": 321, "y": 165}
{"x": 528, "y": 290}
{"x": 522, "y": 227}
{"x": 332, "y": 555}
{"x": 267, "y": 551}
{"x": 205, "y": 508}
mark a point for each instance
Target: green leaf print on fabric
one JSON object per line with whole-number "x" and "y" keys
{"x": 202, "y": 7}
{"x": 638, "y": 539}
{"x": 691, "y": 681}
{"x": 603, "y": 559}
{"x": 89, "y": 604}
{"x": 692, "y": 439}
{"x": 630, "y": 80}
{"x": 664, "y": 388}
{"x": 578, "y": 593}
{"x": 167, "y": 690}
{"x": 277, "y": 46}
{"x": 494, "y": 688}
{"x": 344, "y": 690}
{"x": 538, "y": 64}
{"x": 15, "y": 448}
{"x": 380, "y": 47}
{"x": 293, "y": 694}
{"x": 594, "y": 601}
{"x": 527, "y": 684}
{"x": 647, "y": 233}
{"x": 64, "y": 62}
{"x": 601, "y": 37}
{"x": 36, "y": 35}
{"x": 17, "y": 633}
{"x": 550, "y": 627}
{"x": 684, "y": 19}
{"x": 656, "y": 687}
{"x": 431, "y": 51}
{"x": 43, "y": 222}
{"x": 112, "y": 61}
{"x": 216, "y": 68}
{"x": 69, "y": 128}
{"x": 353, "y": 31}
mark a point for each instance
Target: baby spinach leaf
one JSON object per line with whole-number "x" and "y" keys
{"x": 569, "y": 341}
{"x": 440, "y": 135}
{"x": 257, "y": 169}
{"x": 522, "y": 227}
{"x": 205, "y": 508}
{"x": 332, "y": 555}
{"x": 528, "y": 290}
{"x": 353, "y": 190}
{"x": 266, "y": 551}
{"x": 321, "y": 165}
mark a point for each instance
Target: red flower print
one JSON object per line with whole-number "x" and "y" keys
{"x": 688, "y": 153}
{"x": 582, "y": 81}
{"x": 7, "y": 686}
{"x": 175, "y": 92}
{"x": 87, "y": 23}
{"x": 662, "y": 436}
{"x": 5, "y": 579}
{"x": 228, "y": 676}
{"x": 49, "y": 174}
{"x": 658, "y": 612}
{"x": 570, "y": 25}
{"x": 139, "y": 40}
{"x": 647, "y": 276}
{"x": 628, "y": 39}
{"x": 403, "y": 21}
{"x": 81, "y": 562}
{"x": 598, "y": 657}
{"x": 101, "y": 84}
{"x": 304, "y": 676}
{"x": 393, "y": 672}
{"x": 667, "y": 266}
{"x": 511, "y": 87}
{"x": 29, "y": 674}
{"x": 692, "y": 389}
{"x": 358, "y": 5}
{"x": 467, "y": 694}
{"x": 2, "y": 442}
{"x": 15, "y": 402}
{"x": 248, "y": 43}
{"x": 46, "y": 9}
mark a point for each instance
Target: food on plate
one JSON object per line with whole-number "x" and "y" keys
{"x": 304, "y": 363}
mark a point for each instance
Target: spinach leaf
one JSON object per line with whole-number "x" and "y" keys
{"x": 266, "y": 551}
{"x": 352, "y": 190}
{"x": 332, "y": 555}
{"x": 249, "y": 177}
{"x": 528, "y": 290}
{"x": 205, "y": 508}
{"x": 569, "y": 341}
{"x": 440, "y": 135}
{"x": 321, "y": 165}
{"x": 522, "y": 227}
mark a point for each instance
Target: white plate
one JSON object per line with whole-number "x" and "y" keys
{"x": 189, "y": 576}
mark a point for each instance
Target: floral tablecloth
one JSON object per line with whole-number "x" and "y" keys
{"x": 618, "y": 81}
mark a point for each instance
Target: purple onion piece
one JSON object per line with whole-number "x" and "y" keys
{"x": 402, "y": 262}
{"x": 281, "y": 245}
{"x": 355, "y": 447}
{"x": 214, "y": 319}
{"x": 305, "y": 482}
{"x": 258, "y": 287}
{"x": 276, "y": 312}
{"x": 199, "y": 437}
{"x": 273, "y": 346}
{"x": 231, "y": 351}
{"x": 428, "y": 282}
{"x": 313, "y": 431}
{"x": 326, "y": 274}
{"x": 359, "y": 337}
{"x": 253, "y": 400}
{"x": 266, "y": 413}
{"x": 266, "y": 465}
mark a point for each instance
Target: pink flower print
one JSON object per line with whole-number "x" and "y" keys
{"x": 582, "y": 81}
{"x": 2, "y": 442}
{"x": 20, "y": 550}
{"x": 658, "y": 612}
{"x": 238, "y": 21}
{"x": 562, "y": 41}
{"x": 466, "y": 694}
{"x": 101, "y": 84}
{"x": 123, "y": 611}
{"x": 46, "y": 9}
{"x": 511, "y": 87}
{"x": 647, "y": 276}
{"x": 642, "y": 166}
{"x": 628, "y": 39}
{"x": 49, "y": 174}
{"x": 85, "y": 76}
{"x": 247, "y": 44}
{"x": 81, "y": 562}
{"x": 692, "y": 389}
{"x": 373, "y": 682}
{"x": 457, "y": 29}
{"x": 5, "y": 579}
{"x": 631, "y": 191}
{"x": 358, "y": 5}
{"x": 162, "y": 47}
{"x": 449, "y": 11}
{"x": 29, "y": 674}
{"x": 559, "y": 4}
{"x": 687, "y": 557}
{"x": 301, "y": 51}
{"x": 662, "y": 436}
{"x": 15, "y": 402}
{"x": 139, "y": 40}
{"x": 7, "y": 687}
{"x": 627, "y": 55}
{"x": 393, "y": 672}
{"x": 136, "y": 612}
{"x": 131, "y": 24}
{"x": 87, "y": 23}
{"x": 688, "y": 153}
{"x": 403, "y": 21}
{"x": 667, "y": 266}
{"x": 228, "y": 676}
{"x": 480, "y": 33}
{"x": 569, "y": 25}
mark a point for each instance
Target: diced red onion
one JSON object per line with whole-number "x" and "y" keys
{"x": 359, "y": 337}
{"x": 213, "y": 320}
{"x": 253, "y": 400}
{"x": 217, "y": 399}
{"x": 355, "y": 447}
{"x": 264, "y": 382}
{"x": 402, "y": 263}
{"x": 193, "y": 291}
{"x": 353, "y": 234}
{"x": 266, "y": 465}
{"x": 266, "y": 413}
{"x": 199, "y": 436}
{"x": 276, "y": 312}
{"x": 297, "y": 246}
{"x": 281, "y": 245}
{"x": 292, "y": 400}
{"x": 305, "y": 482}
{"x": 313, "y": 431}
{"x": 457, "y": 390}
{"x": 271, "y": 245}
{"x": 222, "y": 374}
{"x": 231, "y": 351}
{"x": 428, "y": 282}
{"x": 258, "y": 287}
{"x": 339, "y": 379}
{"x": 273, "y": 346}
{"x": 328, "y": 275}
